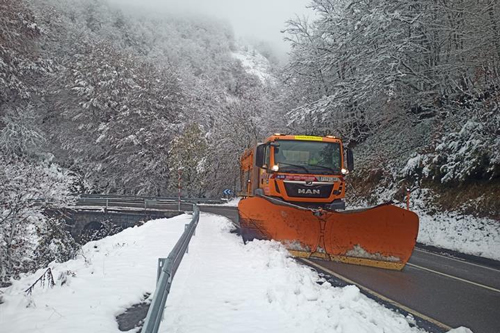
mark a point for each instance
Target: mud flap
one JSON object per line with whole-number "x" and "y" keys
{"x": 382, "y": 236}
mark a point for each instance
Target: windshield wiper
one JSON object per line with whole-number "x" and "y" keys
{"x": 296, "y": 165}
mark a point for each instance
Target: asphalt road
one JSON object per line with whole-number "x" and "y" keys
{"x": 227, "y": 211}
{"x": 447, "y": 290}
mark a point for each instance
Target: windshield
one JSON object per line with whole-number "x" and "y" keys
{"x": 311, "y": 157}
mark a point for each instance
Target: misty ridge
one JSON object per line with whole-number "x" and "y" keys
{"x": 100, "y": 98}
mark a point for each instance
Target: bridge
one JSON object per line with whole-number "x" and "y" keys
{"x": 97, "y": 216}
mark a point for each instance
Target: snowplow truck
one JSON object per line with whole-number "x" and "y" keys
{"x": 293, "y": 189}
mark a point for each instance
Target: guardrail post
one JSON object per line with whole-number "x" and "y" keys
{"x": 179, "y": 186}
{"x": 196, "y": 214}
{"x": 162, "y": 262}
{"x": 408, "y": 199}
{"x": 186, "y": 226}
{"x": 107, "y": 203}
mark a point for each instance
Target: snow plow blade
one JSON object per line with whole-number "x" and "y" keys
{"x": 382, "y": 236}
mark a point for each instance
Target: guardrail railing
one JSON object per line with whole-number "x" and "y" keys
{"x": 158, "y": 203}
{"x": 167, "y": 267}
{"x": 91, "y": 197}
{"x": 109, "y": 202}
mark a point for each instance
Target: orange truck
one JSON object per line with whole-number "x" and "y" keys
{"x": 293, "y": 188}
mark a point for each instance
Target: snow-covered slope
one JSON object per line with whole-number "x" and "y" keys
{"x": 255, "y": 63}
{"x": 462, "y": 233}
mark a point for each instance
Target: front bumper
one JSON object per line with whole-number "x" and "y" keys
{"x": 336, "y": 205}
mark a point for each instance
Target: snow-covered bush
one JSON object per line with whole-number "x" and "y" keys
{"x": 28, "y": 238}
{"x": 470, "y": 153}
{"x": 20, "y": 134}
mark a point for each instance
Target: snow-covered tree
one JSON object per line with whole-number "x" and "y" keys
{"x": 188, "y": 156}
{"x": 29, "y": 182}
{"x": 28, "y": 189}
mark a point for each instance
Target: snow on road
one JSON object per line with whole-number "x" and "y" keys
{"x": 227, "y": 203}
{"x": 221, "y": 286}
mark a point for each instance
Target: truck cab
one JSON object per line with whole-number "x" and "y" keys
{"x": 305, "y": 170}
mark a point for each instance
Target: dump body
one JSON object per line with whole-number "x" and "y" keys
{"x": 294, "y": 188}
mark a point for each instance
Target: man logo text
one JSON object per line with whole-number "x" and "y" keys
{"x": 308, "y": 191}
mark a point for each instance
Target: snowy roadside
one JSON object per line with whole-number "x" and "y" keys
{"x": 461, "y": 233}
{"x": 458, "y": 232}
{"x": 231, "y": 287}
{"x": 109, "y": 276}
{"x": 231, "y": 203}
{"x": 221, "y": 286}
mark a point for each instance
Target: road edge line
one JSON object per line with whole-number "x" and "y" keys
{"x": 380, "y": 296}
{"x": 457, "y": 259}
{"x": 454, "y": 277}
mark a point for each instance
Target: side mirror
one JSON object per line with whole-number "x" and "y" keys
{"x": 350, "y": 159}
{"x": 259, "y": 155}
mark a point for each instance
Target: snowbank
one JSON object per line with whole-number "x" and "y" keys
{"x": 462, "y": 233}
{"x": 454, "y": 231}
{"x": 232, "y": 203}
{"x": 228, "y": 203}
{"x": 231, "y": 287}
{"x": 109, "y": 276}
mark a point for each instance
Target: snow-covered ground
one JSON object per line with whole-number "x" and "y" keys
{"x": 462, "y": 233}
{"x": 254, "y": 63}
{"x": 231, "y": 203}
{"x": 109, "y": 276}
{"x": 221, "y": 286}
{"x": 454, "y": 231}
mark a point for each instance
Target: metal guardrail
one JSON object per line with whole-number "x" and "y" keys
{"x": 111, "y": 200}
{"x": 157, "y": 203}
{"x": 166, "y": 272}
{"x": 90, "y": 197}
{"x": 108, "y": 202}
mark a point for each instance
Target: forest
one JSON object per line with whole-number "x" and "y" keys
{"x": 95, "y": 99}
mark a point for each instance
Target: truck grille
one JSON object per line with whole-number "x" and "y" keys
{"x": 303, "y": 191}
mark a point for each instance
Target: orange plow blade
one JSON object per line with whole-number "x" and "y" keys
{"x": 382, "y": 236}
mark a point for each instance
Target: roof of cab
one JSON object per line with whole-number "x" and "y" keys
{"x": 329, "y": 138}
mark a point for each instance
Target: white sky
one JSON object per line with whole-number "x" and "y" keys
{"x": 255, "y": 19}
